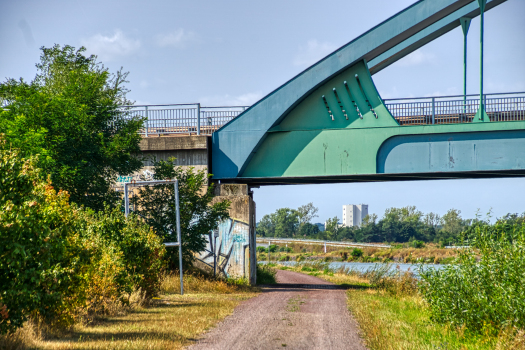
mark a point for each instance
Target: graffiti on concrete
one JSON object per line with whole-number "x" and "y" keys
{"x": 231, "y": 247}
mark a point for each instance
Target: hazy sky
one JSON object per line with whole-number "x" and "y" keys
{"x": 235, "y": 52}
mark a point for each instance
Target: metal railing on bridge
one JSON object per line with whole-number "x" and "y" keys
{"x": 182, "y": 118}
{"x": 456, "y": 109}
{"x": 198, "y": 120}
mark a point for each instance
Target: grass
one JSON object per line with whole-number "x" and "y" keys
{"x": 391, "y": 322}
{"x": 171, "y": 321}
{"x": 400, "y": 253}
{"x": 266, "y": 274}
{"x": 393, "y": 316}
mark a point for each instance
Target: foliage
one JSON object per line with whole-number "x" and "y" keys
{"x": 58, "y": 261}
{"x": 286, "y": 222}
{"x": 71, "y": 114}
{"x": 357, "y": 253}
{"x": 124, "y": 255}
{"x": 401, "y": 225}
{"x": 486, "y": 290}
{"x": 37, "y": 255}
{"x": 266, "y": 274}
{"x": 305, "y": 213}
{"x": 198, "y": 214}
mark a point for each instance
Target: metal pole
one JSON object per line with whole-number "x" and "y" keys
{"x": 177, "y": 209}
{"x": 126, "y": 202}
{"x": 433, "y": 110}
{"x": 482, "y": 17}
{"x": 146, "y": 121}
{"x": 214, "y": 256}
{"x": 465, "y": 24}
{"x": 198, "y": 118}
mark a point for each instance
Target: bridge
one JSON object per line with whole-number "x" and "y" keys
{"x": 330, "y": 124}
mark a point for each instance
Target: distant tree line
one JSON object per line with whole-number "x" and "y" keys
{"x": 400, "y": 225}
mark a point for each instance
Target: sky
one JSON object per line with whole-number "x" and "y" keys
{"x": 235, "y": 52}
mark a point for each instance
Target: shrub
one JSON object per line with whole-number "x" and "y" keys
{"x": 357, "y": 253}
{"x": 266, "y": 274}
{"x": 37, "y": 255}
{"x": 417, "y": 244}
{"x": 486, "y": 287}
{"x": 273, "y": 248}
{"x": 124, "y": 256}
{"x": 57, "y": 260}
{"x": 262, "y": 250}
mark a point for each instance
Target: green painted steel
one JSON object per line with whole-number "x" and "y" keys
{"x": 482, "y": 151}
{"x": 329, "y": 122}
{"x": 348, "y": 151}
{"x": 465, "y": 24}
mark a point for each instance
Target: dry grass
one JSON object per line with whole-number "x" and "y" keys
{"x": 401, "y": 253}
{"x": 171, "y": 321}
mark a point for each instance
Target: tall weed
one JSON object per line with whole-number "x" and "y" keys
{"x": 486, "y": 290}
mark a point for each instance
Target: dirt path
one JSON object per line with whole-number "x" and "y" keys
{"x": 288, "y": 318}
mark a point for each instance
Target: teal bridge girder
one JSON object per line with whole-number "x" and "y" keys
{"x": 329, "y": 123}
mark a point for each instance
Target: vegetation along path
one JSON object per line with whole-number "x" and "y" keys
{"x": 288, "y": 316}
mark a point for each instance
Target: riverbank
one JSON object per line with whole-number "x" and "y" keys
{"x": 392, "y": 315}
{"x": 430, "y": 253}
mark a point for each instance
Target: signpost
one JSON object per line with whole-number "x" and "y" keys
{"x": 177, "y": 209}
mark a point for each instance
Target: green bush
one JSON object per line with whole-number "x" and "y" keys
{"x": 487, "y": 286}
{"x": 273, "y": 248}
{"x": 266, "y": 274}
{"x": 417, "y": 244}
{"x": 38, "y": 256}
{"x": 357, "y": 253}
{"x": 262, "y": 250}
{"x": 125, "y": 255}
{"x": 58, "y": 261}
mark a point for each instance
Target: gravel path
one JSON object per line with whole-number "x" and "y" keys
{"x": 287, "y": 318}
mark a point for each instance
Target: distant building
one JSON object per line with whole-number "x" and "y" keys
{"x": 353, "y": 215}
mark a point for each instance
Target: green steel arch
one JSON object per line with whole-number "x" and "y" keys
{"x": 330, "y": 124}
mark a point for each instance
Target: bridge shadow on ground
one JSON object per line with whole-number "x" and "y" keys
{"x": 291, "y": 287}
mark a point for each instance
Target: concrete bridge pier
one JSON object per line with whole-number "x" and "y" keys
{"x": 236, "y": 243}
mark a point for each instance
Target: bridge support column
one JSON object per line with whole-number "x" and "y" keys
{"x": 236, "y": 243}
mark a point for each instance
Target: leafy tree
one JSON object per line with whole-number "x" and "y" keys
{"x": 306, "y": 213}
{"x": 71, "y": 114}
{"x": 286, "y": 222}
{"x": 331, "y": 228}
{"x": 266, "y": 227}
{"x": 198, "y": 214}
{"x": 452, "y": 222}
{"x": 308, "y": 230}
{"x": 432, "y": 220}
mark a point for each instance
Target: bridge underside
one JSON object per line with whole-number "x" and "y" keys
{"x": 376, "y": 178}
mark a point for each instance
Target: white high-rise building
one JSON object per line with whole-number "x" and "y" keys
{"x": 353, "y": 215}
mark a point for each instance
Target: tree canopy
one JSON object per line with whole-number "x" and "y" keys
{"x": 400, "y": 225}
{"x": 71, "y": 114}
